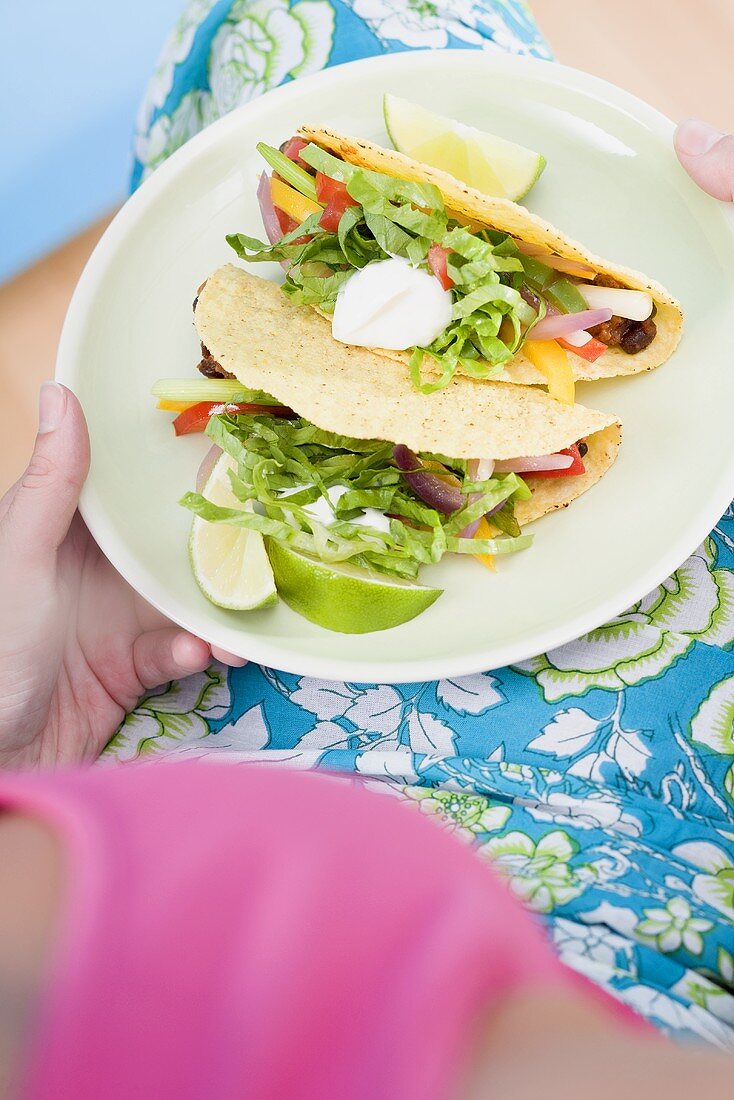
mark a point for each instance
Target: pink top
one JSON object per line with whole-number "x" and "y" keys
{"x": 231, "y": 931}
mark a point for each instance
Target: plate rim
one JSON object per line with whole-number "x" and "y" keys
{"x": 271, "y": 654}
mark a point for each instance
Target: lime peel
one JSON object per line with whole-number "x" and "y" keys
{"x": 343, "y": 598}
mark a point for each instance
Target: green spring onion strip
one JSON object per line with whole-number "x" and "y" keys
{"x": 288, "y": 170}
{"x": 209, "y": 389}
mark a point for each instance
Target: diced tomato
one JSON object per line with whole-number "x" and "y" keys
{"x": 196, "y": 417}
{"x": 333, "y": 193}
{"x": 285, "y": 221}
{"x": 288, "y": 224}
{"x": 328, "y": 189}
{"x": 590, "y": 351}
{"x": 292, "y": 148}
{"x": 438, "y": 263}
{"x": 577, "y": 466}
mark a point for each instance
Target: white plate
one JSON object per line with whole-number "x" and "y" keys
{"x": 612, "y": 181}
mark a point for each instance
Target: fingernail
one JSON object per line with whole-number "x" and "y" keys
{"x": 189, "y": 653}
{"x": 694, "y": 137}
{"x": 51, "y": 405}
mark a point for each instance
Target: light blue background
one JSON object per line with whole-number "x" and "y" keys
{"x": 73, "y": 73}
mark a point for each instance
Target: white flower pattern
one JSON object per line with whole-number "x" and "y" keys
{"x": 420, "y": 24}
{"x": 673, "y": 926}
{"x": 266, "y": 44}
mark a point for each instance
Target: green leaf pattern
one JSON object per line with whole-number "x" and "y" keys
{"x": 173, "y": 718}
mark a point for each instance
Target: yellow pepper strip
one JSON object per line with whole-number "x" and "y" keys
{"x": 292, "y": 202}
{"x": 441, "y": 472}
{"x": 484, "y": 531}
{"x": 174, "y": 406}
{"x": 552, "y": 362}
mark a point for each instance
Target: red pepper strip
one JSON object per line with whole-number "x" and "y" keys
{"x": 438, "y": 263}
{"x": 196, "y": 418}
{"x": 292, "y": 149}
{"x": 577, "y": 466}
{"x": 336, "y": 198}
{"x": 590, "y": 351}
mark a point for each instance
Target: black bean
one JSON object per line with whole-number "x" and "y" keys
{"x": 638, "y": 336}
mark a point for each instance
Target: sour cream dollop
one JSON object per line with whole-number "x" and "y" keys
{"x": 323, "y": 510}
{"x": 391, "y": 304}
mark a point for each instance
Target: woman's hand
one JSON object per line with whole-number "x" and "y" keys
{"x": 707, "y": 156}
{"x": 77, "y": 646}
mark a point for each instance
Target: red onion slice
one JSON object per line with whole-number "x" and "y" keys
{"x": 533, "y": 465}
{"x": 441, "y": 494}
{"x": 207, "y": 465}
{"x": 578, "y": 339}
{"x": 271, "y": 225}
{"x": 561, "y": 324}
{"x": 479, "y": 469}
{"x": 433, "y": 490}
{"x": 470, "y": 530}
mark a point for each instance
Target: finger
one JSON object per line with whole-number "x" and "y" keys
{"x": 163, "y": 655}
{"x": 150, "y": 618}
{"x": 707, "y": 156}
{"x": 43, "y": 504}
{"x": 226, "y": 658}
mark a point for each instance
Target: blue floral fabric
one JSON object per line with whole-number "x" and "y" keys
{"x": 599, "y": 778}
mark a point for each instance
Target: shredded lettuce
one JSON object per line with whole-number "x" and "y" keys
{"x": 286, "y": 465}
{"x": 405, "y": 218}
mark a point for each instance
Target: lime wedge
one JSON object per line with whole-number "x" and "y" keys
{"x": 230, "y": 563}
{"x": 343, "y": 598}
{"x": 489, "y": 163}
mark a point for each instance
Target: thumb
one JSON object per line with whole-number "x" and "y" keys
{"x": 707, "y": 156}
{"x": 168, "y": 654}
{"x": 43, "y": 503}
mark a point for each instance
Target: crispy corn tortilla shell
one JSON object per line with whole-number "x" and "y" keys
{"x": 474, "y": 208}
{"x": 256, "y": 334}
{"x": 551, "y": 493}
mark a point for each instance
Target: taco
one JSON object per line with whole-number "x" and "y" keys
{"x": 341, "y": 459}
{"x": 468, "y": 284}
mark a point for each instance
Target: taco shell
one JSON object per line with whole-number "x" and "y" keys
{"x": 473, "y": 208}
{"x": 254, "y": 332}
